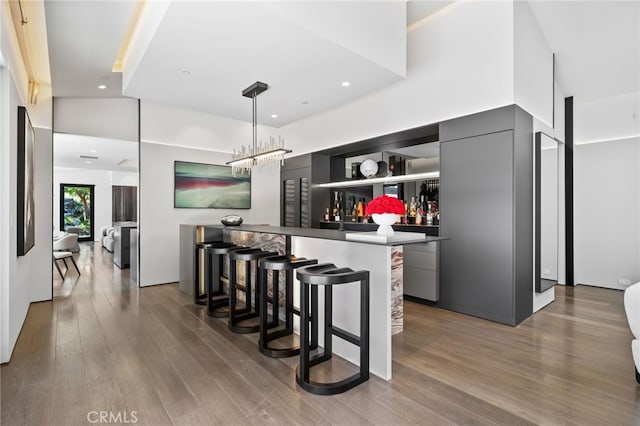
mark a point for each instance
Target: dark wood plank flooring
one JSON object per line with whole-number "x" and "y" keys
{"x": 104, "y": 345}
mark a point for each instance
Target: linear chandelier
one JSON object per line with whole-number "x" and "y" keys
{"x": 254, "y": 155}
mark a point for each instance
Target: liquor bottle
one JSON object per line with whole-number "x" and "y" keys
{"x": 429, "y": 215}
{"x": 406, "y": 213}
{"x": 336, "y": 217}
{"x": 360, "y": 210}
{"x": 354, "y": 210}
{"x": 412, "y": 211}
{"x": 420, "y": 213}
{"x": 326, "y": 215}
{"x": 335, "y": 206}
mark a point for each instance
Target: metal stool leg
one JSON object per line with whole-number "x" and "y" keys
{"x": 275, "y": 299}
{"x": 233, "y": 299}
{"x": 364, "y": 328}
{"x": 304, "y": 332}
{"x": 263, "y": 305}
{"x": 328, "y": 322}
{"x": 315, "y": 316}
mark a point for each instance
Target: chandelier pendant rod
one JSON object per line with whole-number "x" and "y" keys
{"x": 242, "y": 161}
{"x": 255, "y": 125}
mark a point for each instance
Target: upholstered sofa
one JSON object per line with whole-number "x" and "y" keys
{"x": 632, "y": 308}
{"x": 106, "y": 237}
{"x": 65, "y": 241}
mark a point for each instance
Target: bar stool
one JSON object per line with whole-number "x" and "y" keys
{"x": 218, "y": 301}
{"x": 278, "y": 264}
{"x": 328, "y": 275}
{"x": 236, "y": 316}
{"x": 200, "y": 298}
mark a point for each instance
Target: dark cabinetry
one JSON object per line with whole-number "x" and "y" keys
{"x": 486, "y": 205}
{"x": 122, "y": 245}
{"x": 302, "y": 205}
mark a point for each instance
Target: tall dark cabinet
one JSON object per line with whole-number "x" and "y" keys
{"x": 302, "y": 205}
{"x": 486, "y": 208}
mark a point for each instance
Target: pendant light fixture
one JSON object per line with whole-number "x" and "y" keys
{"x": 255, "y": 155}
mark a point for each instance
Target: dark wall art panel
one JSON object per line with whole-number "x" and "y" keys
{"x": 209, "y": 186}
{"x": 26, "y": 200}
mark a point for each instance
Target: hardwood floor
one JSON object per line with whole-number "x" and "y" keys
{"x": 149, "y": 355}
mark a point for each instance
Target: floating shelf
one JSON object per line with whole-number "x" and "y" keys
{"x": 371, "y": 181}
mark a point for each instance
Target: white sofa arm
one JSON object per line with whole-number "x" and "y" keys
{"x": 632, "y": 309}
{"x": 66, "y": 243}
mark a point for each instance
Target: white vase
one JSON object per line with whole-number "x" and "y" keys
{"x": 385, "y": 220}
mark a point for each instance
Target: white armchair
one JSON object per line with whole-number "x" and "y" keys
{"x": 68, "y": 242}
{"x": 632, "y": 308}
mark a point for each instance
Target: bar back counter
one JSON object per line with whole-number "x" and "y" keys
{"x": 384, "y": 261}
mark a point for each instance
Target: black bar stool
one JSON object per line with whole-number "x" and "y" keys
{"x": 250, "y": 310}
{"x": 328, "y": 275}
{"x": 218, "y": 301}
{"x": 278, "y": 264}
{"x": 200, "y": 297}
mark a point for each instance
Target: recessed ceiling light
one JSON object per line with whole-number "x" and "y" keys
{"x": 345, "y": 84}
{"x": 87, "y": 162}
{"x": 185, "y": 71}
{"x": 102, "y": 87}
{"x": 274, "y": 115}
{"x": 92, "y": 150}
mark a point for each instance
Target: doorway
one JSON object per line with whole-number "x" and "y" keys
{"x": 76, "y": 210}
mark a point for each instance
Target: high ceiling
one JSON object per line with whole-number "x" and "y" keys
{"x": 84, "y": 38}
{"x": 201, "y": 54}
{"x": 305, "y": 50}
{"x": 597, "y": 45}
{"x": 88, "y": 152}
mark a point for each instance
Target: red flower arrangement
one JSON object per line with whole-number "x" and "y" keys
{"x": 385, "y": 204}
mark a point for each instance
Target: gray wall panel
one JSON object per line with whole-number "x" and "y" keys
{"x": 476, "y": 206}
{"x": 492, "y": 121}
{"x": 524, "y": 214}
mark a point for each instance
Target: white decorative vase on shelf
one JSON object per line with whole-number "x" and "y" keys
{"x": 385, "y": 220}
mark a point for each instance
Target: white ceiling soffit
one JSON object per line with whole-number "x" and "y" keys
{"x": 84, "y": 38}
{"x": 421, "y": 9}
{"x": 113, "y": 154}
{"x": 203, "y": 54}
{"x": 597, "y": 45}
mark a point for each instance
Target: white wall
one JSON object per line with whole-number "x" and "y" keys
{"x": 102, "y": 180}
{"x": 603, "y": 258}
{"x": 460, "y": 63}
{"x": 115, "y": 118}
{"x": 159, "y": 220}
{"x": 124, "y": 178}
{"x": 41, "y": 279}
{"x": 533, "y": 65}
{"x": 607, "y": 212}
{"x": 192, "y": 129}
{"x": 5, "y": 215}
{"x": 27, "y": 278}
{"x": 612, "y": 118}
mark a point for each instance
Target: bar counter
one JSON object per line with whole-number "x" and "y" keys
{"x": 384, "y": 261}
{"x": 325, "y": 234}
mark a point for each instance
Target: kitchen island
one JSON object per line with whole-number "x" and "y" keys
{"x": 384, "y": 261}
